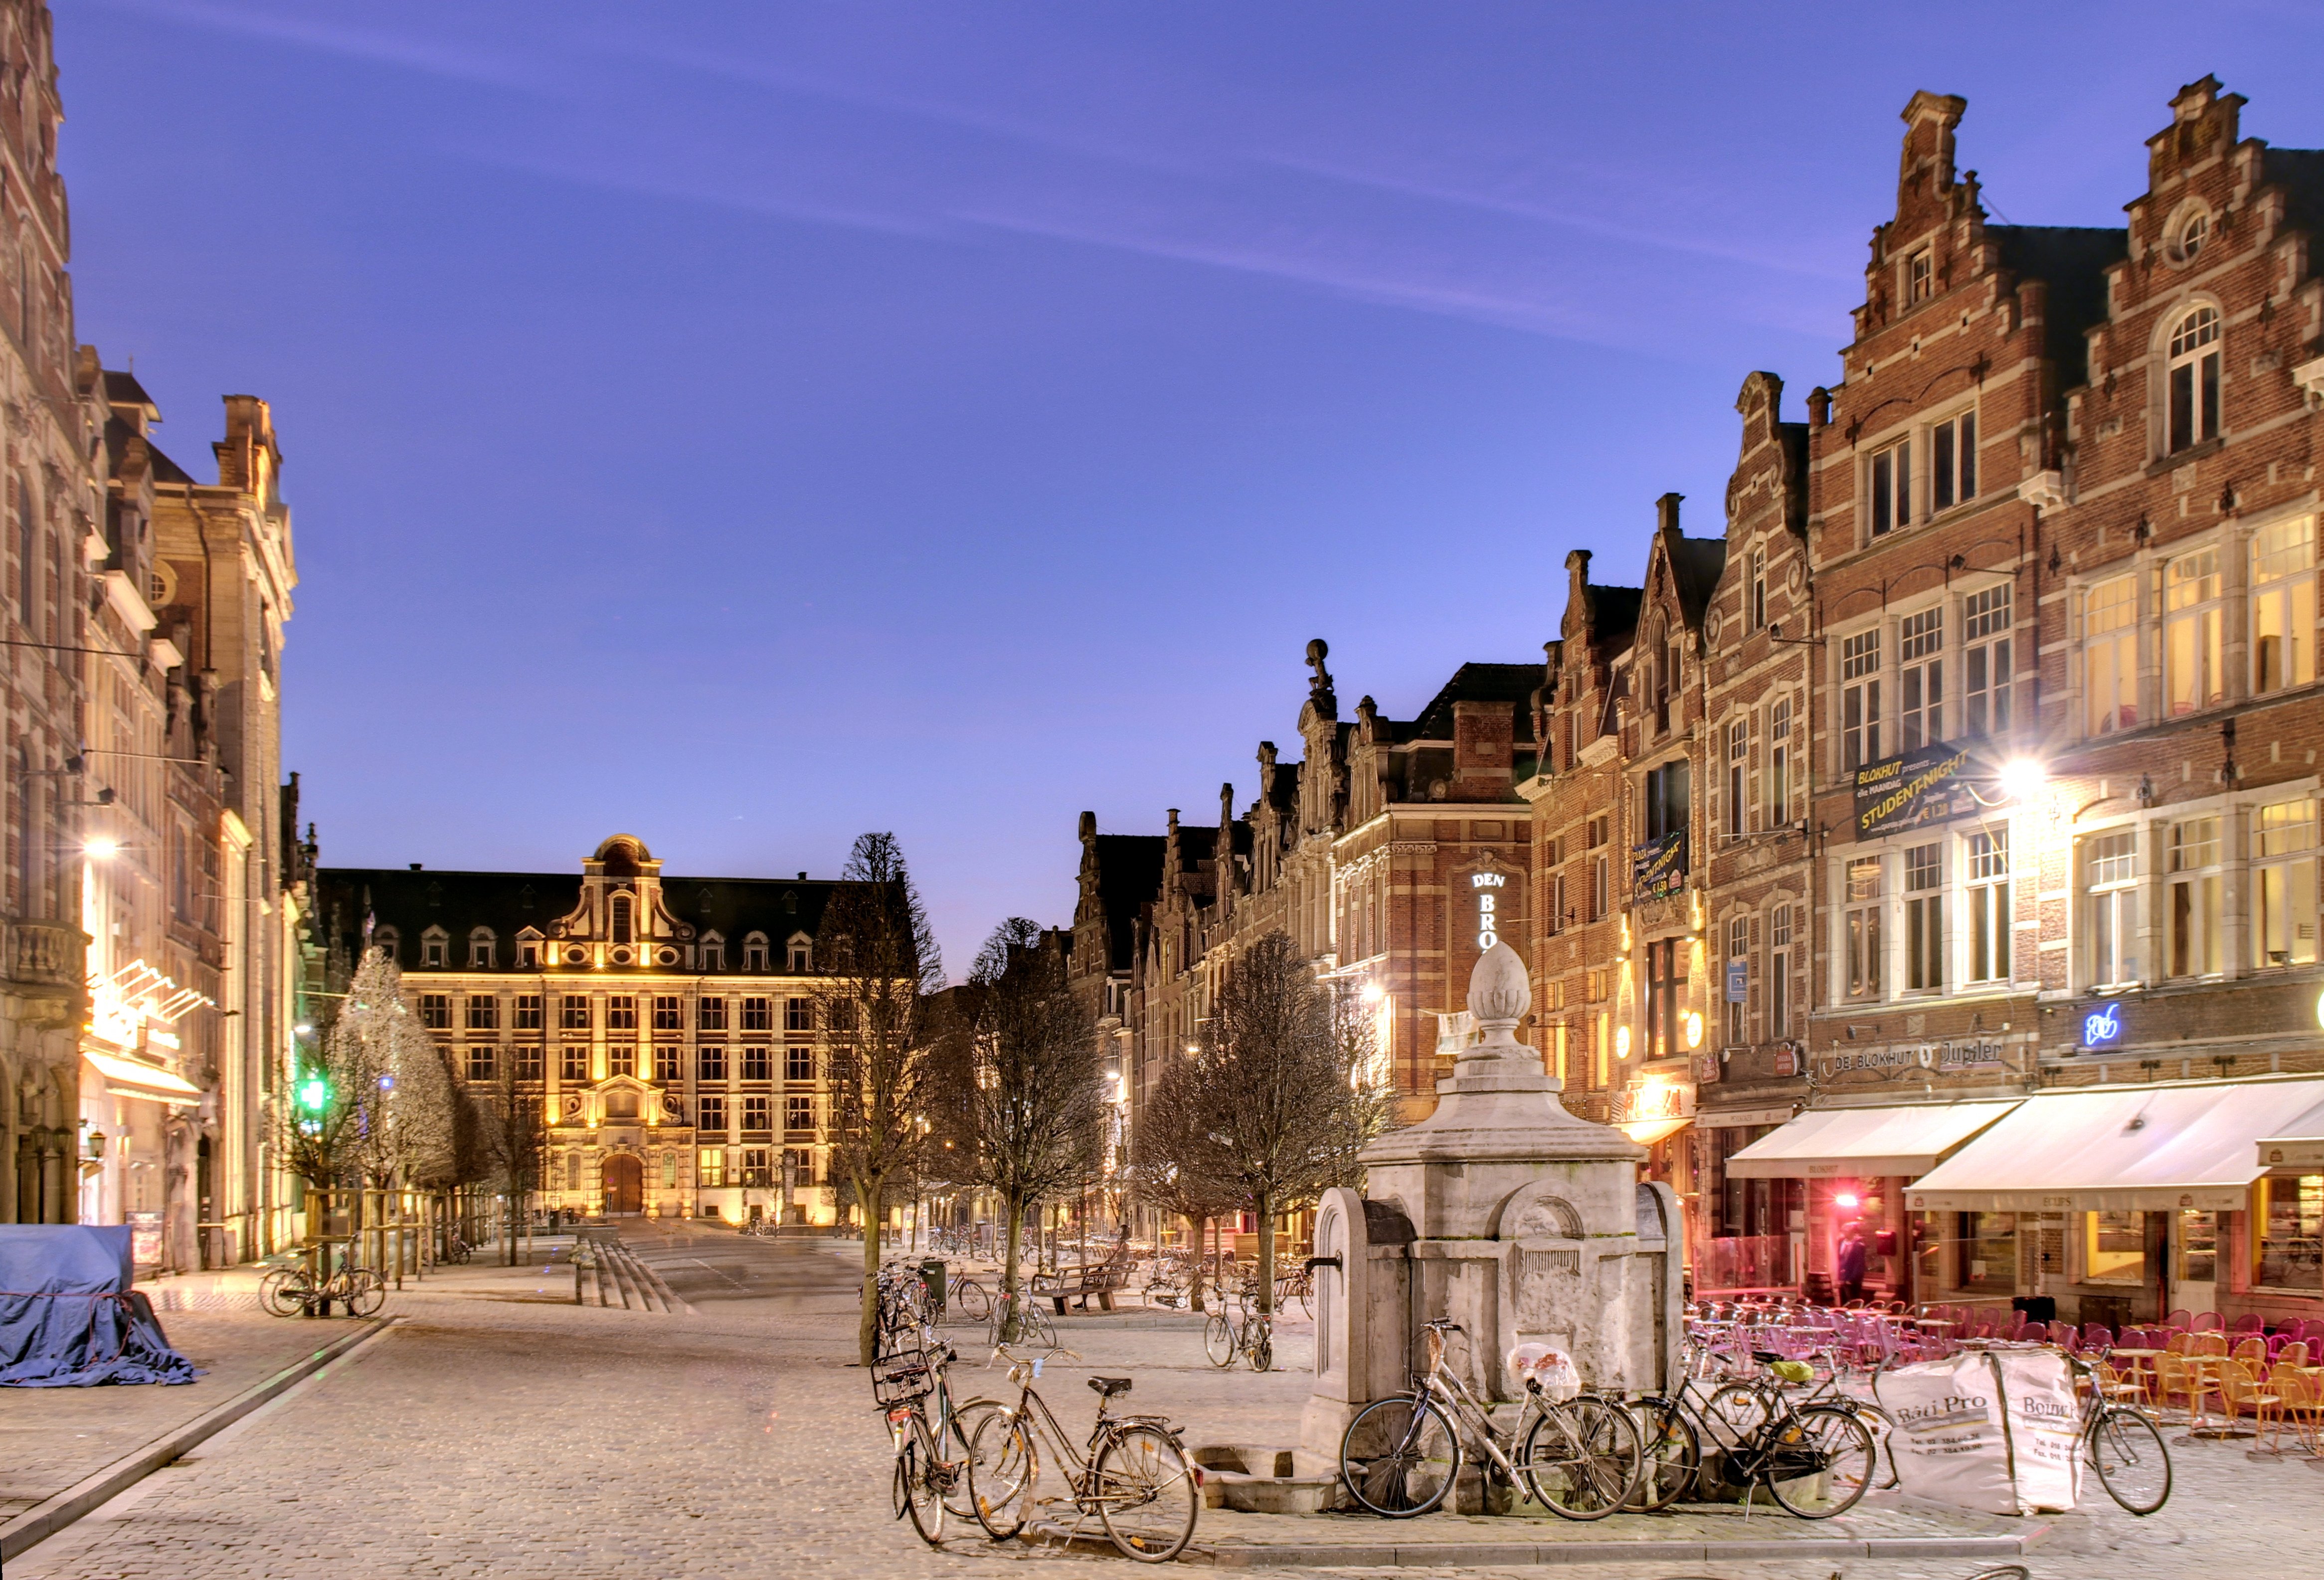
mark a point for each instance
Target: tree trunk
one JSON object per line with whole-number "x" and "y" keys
{"x": 1202, "y": 1227}
{"x": 1266, "y": 1253}
{"x": 1012, "y": 1242}
{"x": 869, "y": 1189}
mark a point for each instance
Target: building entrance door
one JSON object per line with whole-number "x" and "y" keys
{"x": 625, "y": 1184}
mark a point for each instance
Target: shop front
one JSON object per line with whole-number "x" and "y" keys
{"x": 1851, "y": 1166}
{"x": 2126, "y": 1204}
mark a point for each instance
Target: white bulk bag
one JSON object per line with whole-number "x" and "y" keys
{"x": 1992, "y": 1431}
{"x": 1553, "y": 1369}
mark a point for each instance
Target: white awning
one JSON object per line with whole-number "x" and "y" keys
{"x": 126, "y": 1078}
{"x": 1903, "y": 1143}
{"x": 2120, "y": 1148}
{"x": 2299, "y": 1145}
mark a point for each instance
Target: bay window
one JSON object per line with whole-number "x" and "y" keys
{"x": 2191, "y": 633}
{"x": 2194, "y": 889}
{"x": 2283, "y": 885}
{"x": 2284, "y": 605}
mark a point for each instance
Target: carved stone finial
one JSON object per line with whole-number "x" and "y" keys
{"x": 1318, "y": 650}
{"x": 1498, "y": 990}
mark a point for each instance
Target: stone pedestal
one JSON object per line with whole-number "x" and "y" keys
{"x": 1506, "y": 1214}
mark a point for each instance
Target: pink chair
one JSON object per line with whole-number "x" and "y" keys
{"x": 2182, "y": 1319}
{"x": 2249, "y": 1322}
{"x": 2312, "y": 1329}
{"x": 2095, "y": 1337}
{"x": 2034, "y": 1333}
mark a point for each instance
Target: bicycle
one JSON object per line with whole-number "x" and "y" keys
{"x": 1674, "y": 1426}
{"x": 1133, "y": 1474}
{"x": 971, "y": 1297}
{"x": 295, "y": 1292}
{"x": 1252, "y": 1335}
{"x": 1816, "y": 1460}
{"x": 1018, "y": 1317}
{"x": 934, "y": 1442}
{"x": 456, "y": 1250}
{"x": 2124, "y": 1448}
{"x": 1578, "y": 1457}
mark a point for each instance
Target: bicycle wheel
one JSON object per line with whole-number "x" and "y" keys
{"x": 1219, "y": 1341}
{"x": 974, "y": 1303}
{"x": 2133, "y": 1464}
{"x": 958, "y": 1448}
{"x": 1884, "y": 1439}
{"x": 1820, "y": 1462}
{"x": 284, "y": 1291}
{"x": 1735, "y": 1416}
{"x": 1582, "y": 1458}
{"x": 1262, "y": 1352}
{"x": 1674, "y": 1455}
{"x": 1399, "y": 1456}
{"x": 366, "y": 1291}
{"x": 917, "y": 1485}
{"x": 1145, "y": 1493}
{"x": 1002, "y": 1465}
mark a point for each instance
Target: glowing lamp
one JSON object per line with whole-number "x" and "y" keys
{"x": 1694, "y": 1030}
{"x": 1373, "y": 993}
{"x": 2022, "y": 779}
{"x": 1845, "y": 1198}
{"x": 102, "y": 848}
{"x": 1621, "y": 1042}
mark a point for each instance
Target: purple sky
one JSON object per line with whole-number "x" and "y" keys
{"x": 749, "y": 425}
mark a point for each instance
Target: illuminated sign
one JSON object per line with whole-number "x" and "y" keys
{"x": 2102, "y": 1026}
{"x": 1489, "y": 928}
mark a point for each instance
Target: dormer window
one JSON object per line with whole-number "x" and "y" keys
{"x": 713, "y": 952}
{"x": 528, "y": 957}
{"x": 481, "y": 948}
{"x": 802, "y": 954}
{"x": 621, "y": 923}
{"x": 386, "y": 940}
{"x": 754, "y": 952}
{"x": 434, "y": 945}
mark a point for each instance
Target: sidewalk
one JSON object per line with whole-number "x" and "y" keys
{"x": 51, "y": 1438}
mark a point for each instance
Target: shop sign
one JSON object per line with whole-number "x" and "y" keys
{"x": 2102, "y": 1025}
{"x": 1928, "y": 784}
{"x": 1658, "y": 867}
{"x": 1876, "y": 1059}
{"x": 1706, "y": 1068}
{"x": 1654, "y": 1100}
{"x": 1787, "y": 1058}
{"x": 1738, "y": 981}
{"x": 1954, "y": 1056}
{"x": 1488, "y": 925}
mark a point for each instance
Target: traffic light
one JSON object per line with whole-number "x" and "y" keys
{"x": 315, "y": 1094}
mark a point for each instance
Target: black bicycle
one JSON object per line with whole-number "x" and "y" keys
{"x": 1679, "y": 1428}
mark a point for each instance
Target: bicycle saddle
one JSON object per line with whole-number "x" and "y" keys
{"x": 1766, "y": 1357}
{"x": 1107, "y": 1387}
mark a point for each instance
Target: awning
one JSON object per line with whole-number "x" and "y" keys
{"x": 2120, "y": 1148}
{"x": 1903, "y": 1143}
{"x": 126, "y": 1078}
{"x": 2299, "y": 1145}
{"x": 1647, "y": 1131}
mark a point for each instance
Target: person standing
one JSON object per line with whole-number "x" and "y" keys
{"x": 1855, "y": 1249}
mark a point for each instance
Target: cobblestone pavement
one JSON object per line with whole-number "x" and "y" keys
{"x": 515, "y": 1439}
{"x": 50, "y": 1437}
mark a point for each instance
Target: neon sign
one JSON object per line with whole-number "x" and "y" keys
{"x": 1488, "y": 931}
{"x": 2102, "y": 1026}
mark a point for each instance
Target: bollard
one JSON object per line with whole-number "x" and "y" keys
{"x": 577, "y": 1283}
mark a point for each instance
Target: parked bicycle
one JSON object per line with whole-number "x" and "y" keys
{"x": 1250, "y": 1334}
{"x": 1400, "y": 1457}
{"x": 296, "y": 1291}
{"x": 1816, "y": 1460}
{"x": 1678, "y": 1428}
{"x": 933, "y": 1439}
{"x": 1132, "y": 1474}
{"x": 455, "y": 1249}
{"x": 1018, "y": 1319}
{"x": 2124, "y": 1447}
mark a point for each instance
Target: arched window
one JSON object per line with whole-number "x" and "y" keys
{"x": 480, "y": 948}
{"x": 385, "y": 940}
{"x": 621, "y": 919}
{"x": 2193, "y": 380}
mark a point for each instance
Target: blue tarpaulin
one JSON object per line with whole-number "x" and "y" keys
{"x": 68, "y": 1316}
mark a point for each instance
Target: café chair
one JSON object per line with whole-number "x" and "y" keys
{"x": 2241, "y": 1390}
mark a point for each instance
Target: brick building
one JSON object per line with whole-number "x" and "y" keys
{"x": 1980, "y": 785}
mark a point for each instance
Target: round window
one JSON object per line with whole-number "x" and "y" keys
{"x": 620, "y": 956}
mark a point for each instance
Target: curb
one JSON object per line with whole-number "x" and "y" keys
{"x": 46, "y": 1518}
{"x": 1446, "y": 1554}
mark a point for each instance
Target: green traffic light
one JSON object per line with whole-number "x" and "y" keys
{"x": 314, "y": 1094}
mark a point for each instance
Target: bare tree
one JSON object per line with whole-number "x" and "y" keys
{"x": 1288, "y": 1087}
{"x": 1019, "y": 1080}
{"x": 511, "y": 1125}
{"x": 879, "y": 969}
{"x": 1176, "y": 1162}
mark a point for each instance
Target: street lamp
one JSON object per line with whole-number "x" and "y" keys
{"x": 2022, "y": 779}
{"x": 101, "y": 848}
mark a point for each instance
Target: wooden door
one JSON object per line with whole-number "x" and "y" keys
{"x": 625, "y": 1184}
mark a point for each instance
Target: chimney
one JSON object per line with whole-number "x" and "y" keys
{"x": 1666, "y": 514}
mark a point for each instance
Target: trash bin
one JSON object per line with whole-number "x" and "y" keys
{"x": 932, "y": 1273}
{"x": 2042, "y": 1308}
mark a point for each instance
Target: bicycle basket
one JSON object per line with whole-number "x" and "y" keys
{"x": 902, "y": 1384}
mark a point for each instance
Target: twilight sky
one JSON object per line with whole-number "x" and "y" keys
{"x": 747, "y": 425}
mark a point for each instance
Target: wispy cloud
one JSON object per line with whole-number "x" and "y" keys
{"x": 426, "y": 52}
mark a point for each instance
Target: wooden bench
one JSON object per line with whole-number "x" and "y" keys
{"x": 1082, "y": 1283}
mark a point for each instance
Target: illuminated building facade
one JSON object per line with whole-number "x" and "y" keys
{"x": 667, "y": 1023}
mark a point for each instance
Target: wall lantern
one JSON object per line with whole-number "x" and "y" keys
{"x": 1621, "y": 1042}
{"x": 1694, "y": 1030}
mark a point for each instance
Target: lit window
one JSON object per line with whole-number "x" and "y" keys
{"x": 436, "y": 1011}
{"x": 710, "y": 1163}
{"x": 2110, "y": 872}
{"x": 1924, "y": 918}
{"x": 1985, "y": 662}
{"x": 1779, "y": 765}
{"x": 1990, "y": 915}
{"x": 2284, "y": 605}
{"x": 1739, "y": 763}
{"x": 1921, "y": 690}
{"x": 2110, "y": 648}
{"x": 1859, "y": 698}
{"x": 1891, "y": 488}
{"x": 2283, "y": 893}
{"x": 1861, "y": 923}
{"x": 2191, "y": 633}
{"x": 2193, "y": 377}
{"x": 2196, "y": 882}
{"x": 483, "y": 1013}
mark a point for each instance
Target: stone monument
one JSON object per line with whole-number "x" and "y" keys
{"x": 1506, "y": 1212}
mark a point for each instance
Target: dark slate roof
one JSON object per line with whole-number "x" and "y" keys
{"x": 166, "y": 470}
{"x": 507, "y": 903}
{"x": 122, "y": 389}
{"x": 1696, "y": 565}
{"x": 1616, "y": 610}
{"x": 2071, "y": 259}
{"x": 1479, "y": 683}
{"x": 2300, "y": 171}
{"x": 1128, "y": 875}
{"x": 1197, "y": 843}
